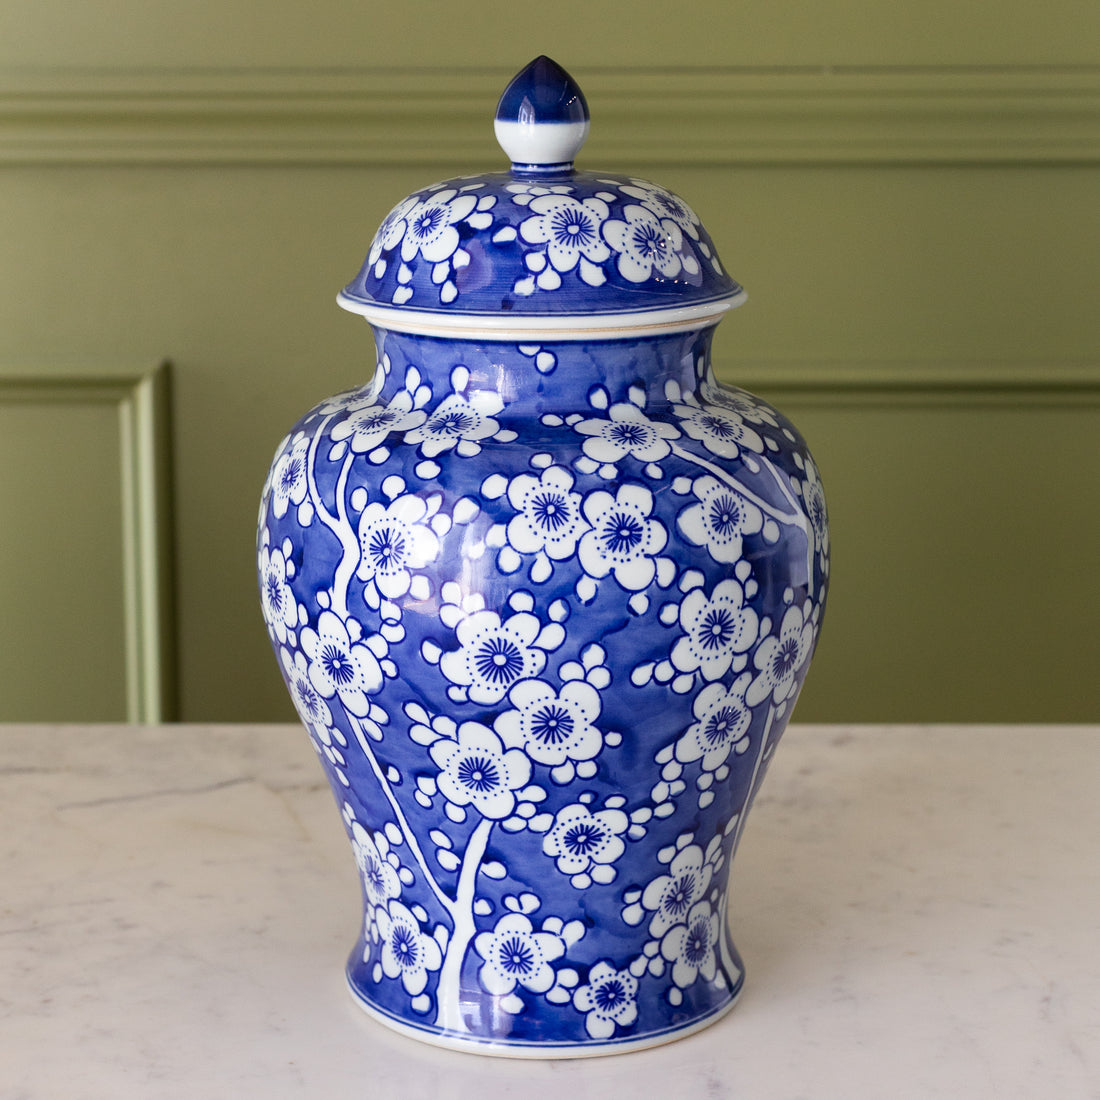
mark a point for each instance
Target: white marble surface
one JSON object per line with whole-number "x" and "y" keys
{"x": 918, "y": 908}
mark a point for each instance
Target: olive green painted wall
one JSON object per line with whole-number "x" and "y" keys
{"x": 909, "y": 192}
{"x": 766, "y": 33}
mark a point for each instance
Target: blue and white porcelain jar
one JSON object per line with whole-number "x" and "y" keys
{"x": 544, "y": 594}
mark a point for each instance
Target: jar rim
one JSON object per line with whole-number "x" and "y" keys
{"x": 530, "y": 328}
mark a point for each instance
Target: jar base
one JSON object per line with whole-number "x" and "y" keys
{"x": 504, "y": 1048}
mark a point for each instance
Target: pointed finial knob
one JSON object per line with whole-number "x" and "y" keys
{"x": 542, "y": 118}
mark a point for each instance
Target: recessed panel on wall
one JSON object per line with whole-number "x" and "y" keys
{"x": 81, "y": 556}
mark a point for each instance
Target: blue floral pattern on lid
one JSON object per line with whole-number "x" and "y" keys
{"x": 541, "y": 238}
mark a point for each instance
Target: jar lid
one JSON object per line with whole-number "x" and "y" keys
{"x": 541, "y": 250}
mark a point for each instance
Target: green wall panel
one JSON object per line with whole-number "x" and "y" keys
{"x": 63, "y": 656}
{"x": 86, "y": 591}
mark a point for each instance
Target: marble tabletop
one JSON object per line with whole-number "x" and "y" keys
{"x": 918, "y": 908}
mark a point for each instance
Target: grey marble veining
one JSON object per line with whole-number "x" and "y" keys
{"x": 918, "y": 908}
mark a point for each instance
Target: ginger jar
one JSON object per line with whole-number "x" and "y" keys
{"x": 544, "y": 594}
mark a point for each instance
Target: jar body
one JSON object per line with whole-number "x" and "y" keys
{"x": 545, "y": 611}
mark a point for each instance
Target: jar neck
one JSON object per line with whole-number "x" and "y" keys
{"x": 530, "y": 379}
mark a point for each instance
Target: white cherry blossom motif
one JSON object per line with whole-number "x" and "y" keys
{"x": 721, "y": 725}
{"x": 515, "y": 954}
{"x": 716, "y": 629}
{"x": 477, "y": 770}
{"x": 430, "y": 225}
{"x": 670, "y": 897}
{"x": 524, "y": 193}
{"x": 625, "y": 431}
{"x": 396, "y": 539}
{"x": 720, "y": 519}
{"x": 367, "y": 426}
{"x": 339, "y": 666}
{"x": 742, "y": 403}
{"x": 314, "y": 712}
{"x": 357, "y": 398}
{"x": 664, "y": 204}
{"x": 721, "y": 431}
{"x": 549, "y": 516}
{"x": 813, "y": 500}
{"x": 570, "y": 230}
{"x": 608, "y": 1000}
{"x": 289, "y": 483}
{"x": 690, "y": 946}
{"x": 624, "y": 538}
{"x": 494, "y": 654}
{"x": 279, "y": 606}
{"x": 551, "y": 726}
{"x": 779, "y": 658}
{"x": 312, "y": 709}
{"x": 380, "y": 881}
{"x": 407, "y": 952}
{"x": 585, "y": 844}
{"x": 646, "y": 244}
{"x": 458, "y": 421}
{"x": 391, "y": 230}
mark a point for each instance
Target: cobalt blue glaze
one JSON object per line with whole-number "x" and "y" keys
{"x": 545, "y": 604}
{"x": 542, "y": 92}
{"x": 576, "y": 243}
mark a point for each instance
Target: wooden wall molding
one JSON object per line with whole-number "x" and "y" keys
{"x": 1069, "y": 383}
{"x": 409, "y": 116}
{"x": 140, "y": 398}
